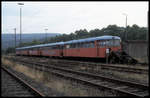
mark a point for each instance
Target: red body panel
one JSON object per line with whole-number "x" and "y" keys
{"x": 52, "y": 52}
{"x": 88, "y": 52}
{"x": 23, "y": 52}
{"x": 80, "y": 52}
{"x": 102, "y": 51}
{"x": 17, "y": 52}
{"x": 39, "y": 53}
{"x": 33, "y": 52}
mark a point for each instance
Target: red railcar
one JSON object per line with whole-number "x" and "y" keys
{"x": 90, "y": 47}
{"x": 18, "y": 52}
{"x": 24, "y": 52}
{"x": 54, "y": 49}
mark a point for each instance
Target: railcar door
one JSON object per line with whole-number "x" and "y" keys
{"x": 61, "y": 51}
{"x": 96, "y": 48}
{"x": 39, "y": 51}
{"x": 101, "y": 48}
{"x": 27, "y": 51}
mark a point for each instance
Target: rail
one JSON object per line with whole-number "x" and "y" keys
{"x": 36, "y": 92}
{"x": 121, "y": 86}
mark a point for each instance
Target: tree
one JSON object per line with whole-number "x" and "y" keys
{"x": 133, "y": 32}
{"x": 95, "y": 32}
{"x": 81, "y": 33}
{"x": 10, "y": 50}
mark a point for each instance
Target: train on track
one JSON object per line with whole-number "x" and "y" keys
{"x": 94, "y": 47}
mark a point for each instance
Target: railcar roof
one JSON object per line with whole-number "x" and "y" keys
{"x": 41, "y": 45}
{"x": 106, "y": 37}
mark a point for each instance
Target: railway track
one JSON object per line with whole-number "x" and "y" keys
{"x": 120, "y": 86}
{"x": 68, "y": 63}
{"x": 13, "y": 85}
{"x": 106, "y": 66}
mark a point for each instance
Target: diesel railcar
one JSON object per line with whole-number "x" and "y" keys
{"x": 94, "y": 47}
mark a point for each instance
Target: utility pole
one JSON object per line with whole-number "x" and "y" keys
{"x": 15, "y": 36}
{"x": 46, "y": 35}
{"x": 125, "y": 27}
{"x": 125, "y": 47}
{"x": 21, "y": 4}
{"x": 148, "y": 36}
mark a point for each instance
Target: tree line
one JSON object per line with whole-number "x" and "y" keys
{"x": 133, "y": 32}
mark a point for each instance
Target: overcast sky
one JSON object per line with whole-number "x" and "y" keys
{"x": 67, "y": 17}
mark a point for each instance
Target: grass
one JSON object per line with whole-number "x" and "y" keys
{"x": 68, "y": 87}
{"x": 72, "y": 88}
{"x": 132, "y": 66}
{"x": 142, "y": 78}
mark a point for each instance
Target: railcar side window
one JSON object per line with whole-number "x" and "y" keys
{"x": 55, "y": 47}
{"x": 77, "y": 45}
{"x": 48, "y": 48}
{"x": 92, "y": 44}
{"x": 109, "y": 43}
{"x": 61, "y": 47}
{"x": 84, "y": 45}
{"x": 81, "y": 45}
{"x": 102, "y": 43}
{"x": 88, "y": 45}
{"x": 71, "y": 45}
{"x": 44, "y": 48}
{"x": 34, "y": 48}
{"x": 113, "y": 43}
